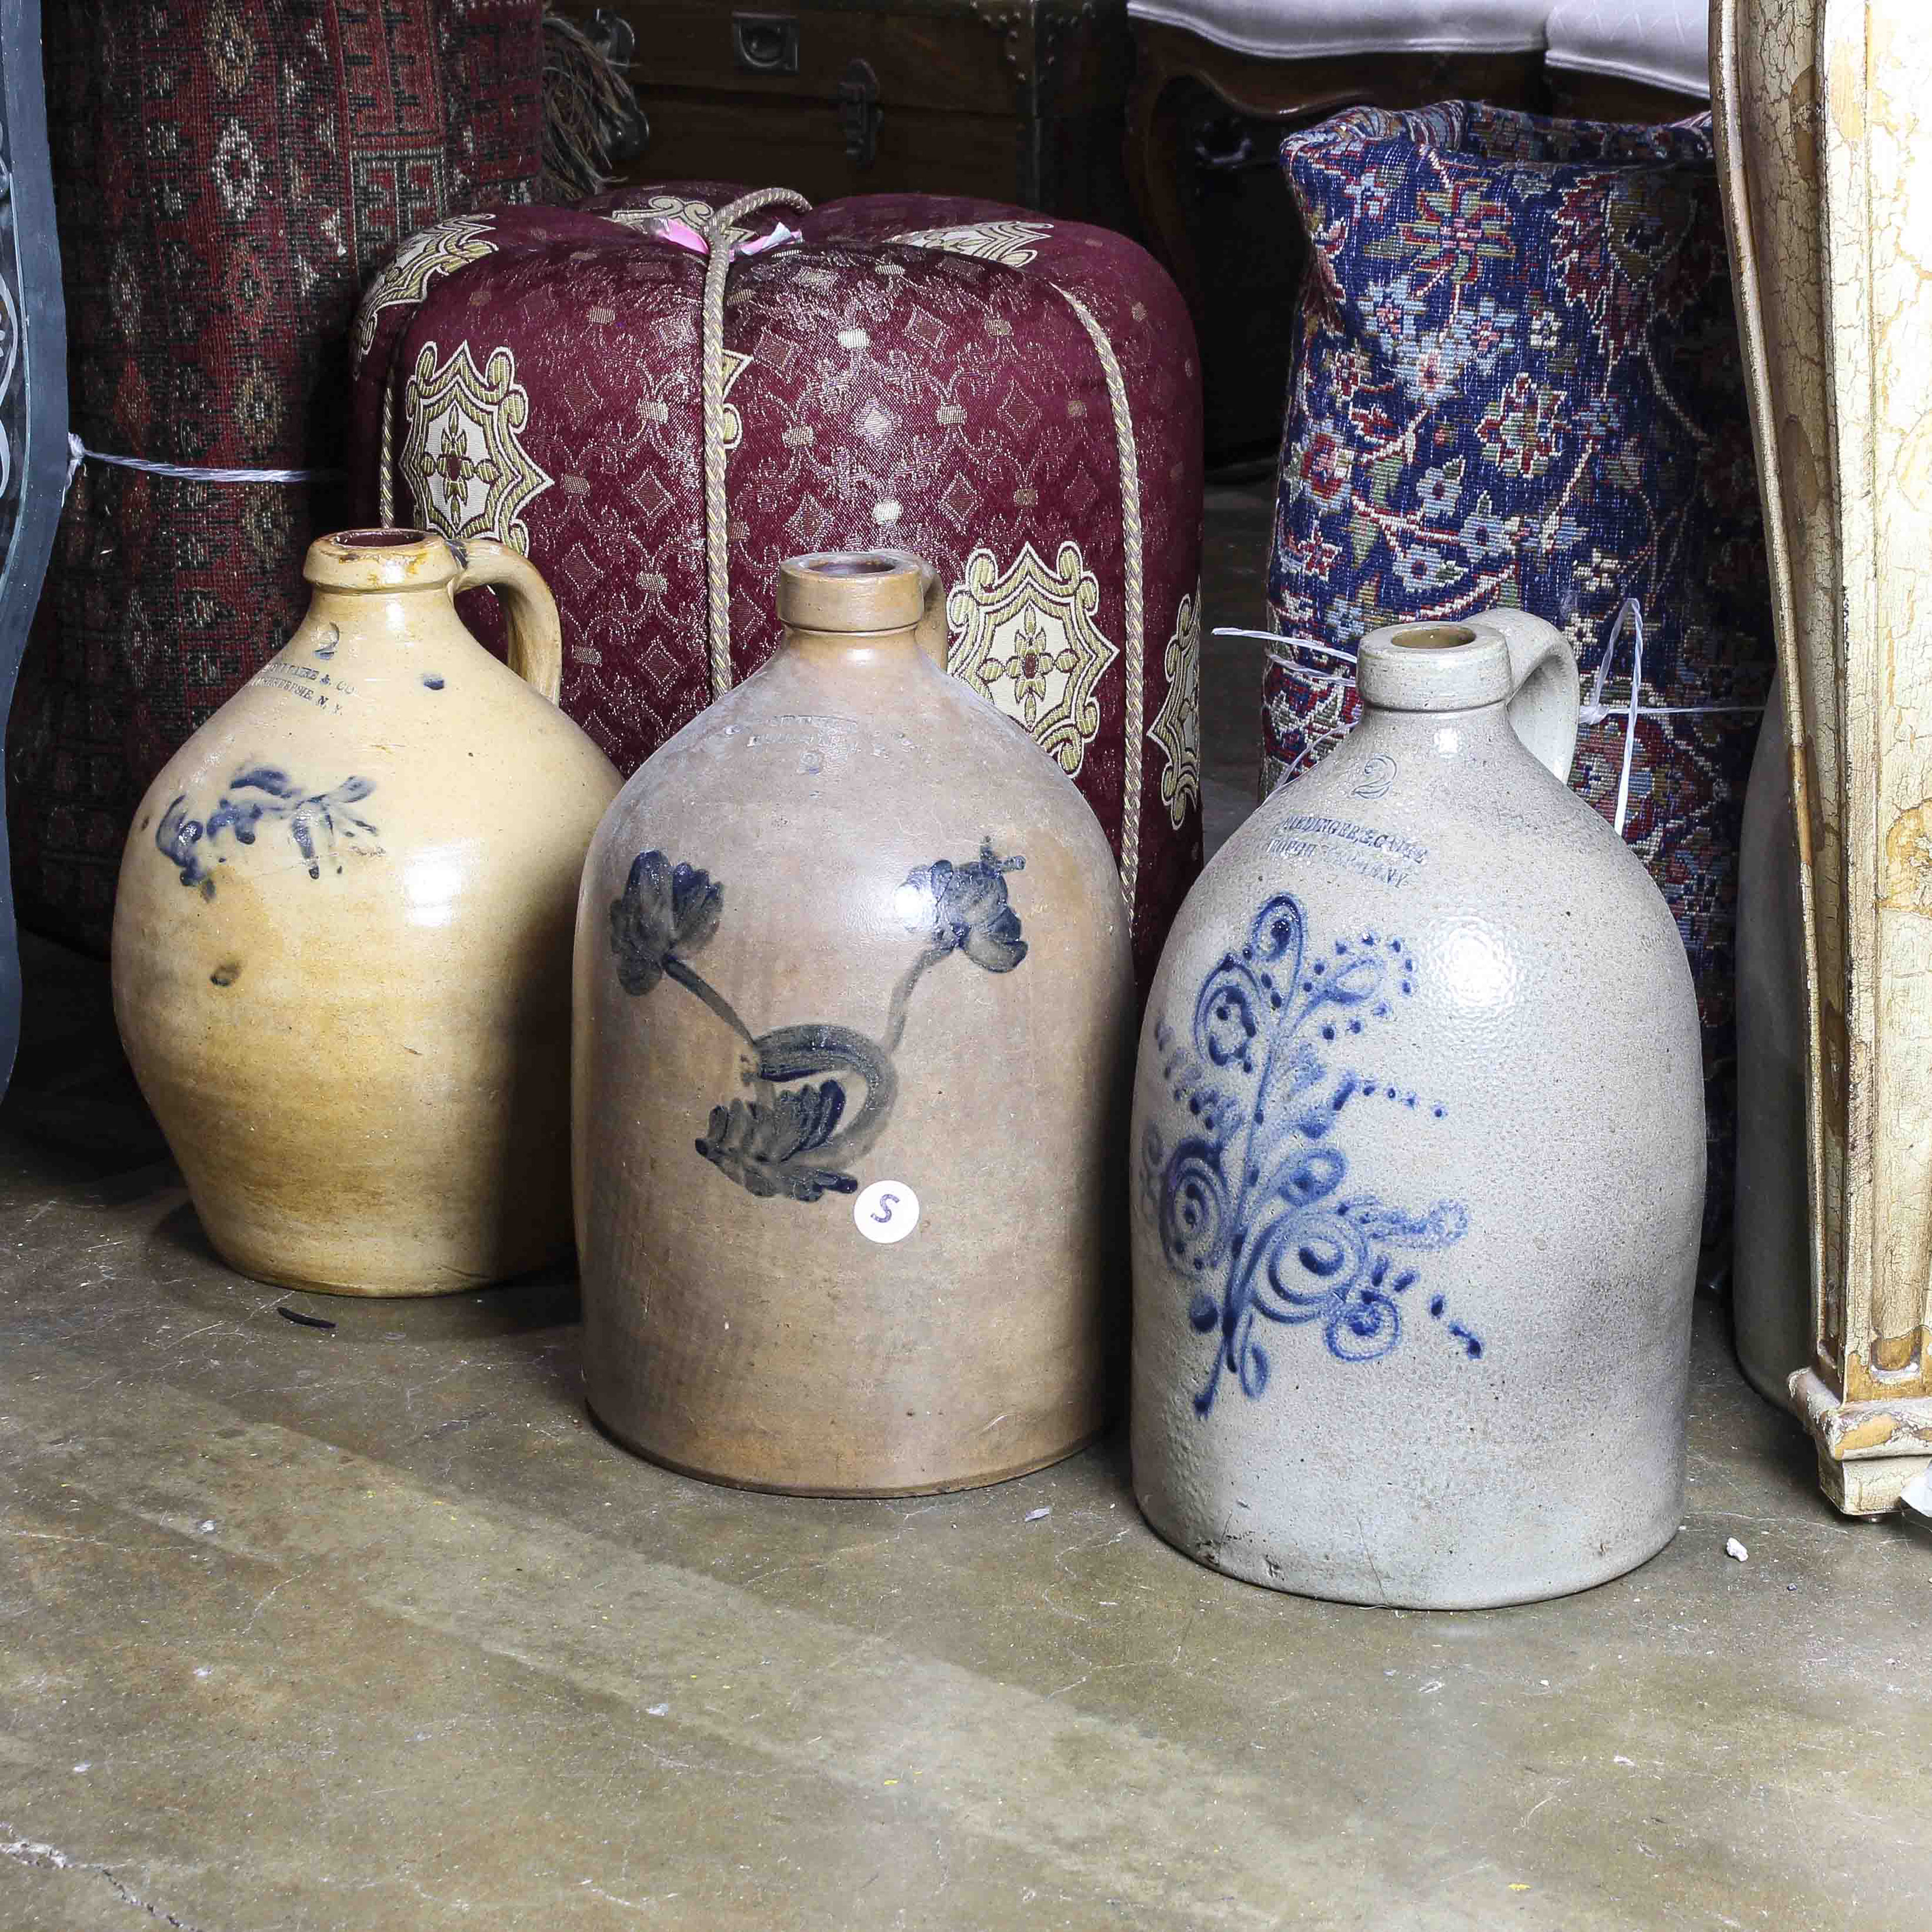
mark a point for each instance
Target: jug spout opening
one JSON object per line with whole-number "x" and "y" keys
{"x": 1432, "y": 666}
{"x": 382, "y": 560}
{"x": 867, "y": 591}
{"x": 380, "y": 539}
{"x": 1431, "y": 637}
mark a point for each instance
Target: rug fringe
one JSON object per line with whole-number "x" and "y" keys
{"x": 592, "y": 121}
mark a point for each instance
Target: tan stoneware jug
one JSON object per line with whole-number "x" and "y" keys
{"x": 342, "y": 940}
{"x": 854, "y": 1032}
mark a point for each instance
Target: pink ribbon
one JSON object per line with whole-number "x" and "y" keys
{"x": 681, "y": 235}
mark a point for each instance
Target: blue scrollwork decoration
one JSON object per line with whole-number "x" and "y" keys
{"x": 791, "y": 1136}
{"x": 1251, "y": 1202}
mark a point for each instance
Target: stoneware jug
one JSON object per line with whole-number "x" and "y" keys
{"x": 1419, "y": 1162}
{"x": 342, "y": 939}
{"x": 854, "y": 1048}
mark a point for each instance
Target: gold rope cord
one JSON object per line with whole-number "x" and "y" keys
{"x": 386, "y": 485}
{"x": 717, "y": 233}
{"x": 1134, "y": 642}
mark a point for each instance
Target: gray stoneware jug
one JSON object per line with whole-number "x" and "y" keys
{"x": 1418, "y": 1162}
{"x": 854, "y": 1041}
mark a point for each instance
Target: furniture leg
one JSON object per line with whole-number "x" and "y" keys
{"x": 1154, "y": 139}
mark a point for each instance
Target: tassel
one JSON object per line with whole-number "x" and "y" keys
{"x": 592, "y": 123}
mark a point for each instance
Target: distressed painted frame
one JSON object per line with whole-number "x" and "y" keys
{"x": 1827, "y": 182}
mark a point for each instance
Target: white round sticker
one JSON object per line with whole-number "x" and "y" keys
{"x": 888, "y": 1211}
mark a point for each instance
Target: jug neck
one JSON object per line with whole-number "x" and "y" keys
{"x": 385, "y": 589}
{"x": 889, "y": 654}
{"x": 1481, "y": 731}
{"x": 1447, "y": 691}
{"x": 869, "y": 612}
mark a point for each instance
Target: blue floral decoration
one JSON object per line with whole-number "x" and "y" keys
{"x": 666, "y": 913}
{"x": 1251, "y": 1203}
{"x": 792, "y": 1138}
{"x": 319, "y": 824}
{"x": 966, "y": 907}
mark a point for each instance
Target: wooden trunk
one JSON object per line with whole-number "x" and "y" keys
{"x": 1018, "y": 100}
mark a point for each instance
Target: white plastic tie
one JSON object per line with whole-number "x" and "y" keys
{"x": 78, "y": 453}
{"x": 1279, "y": 638}
{"x": 1592, "y": 711}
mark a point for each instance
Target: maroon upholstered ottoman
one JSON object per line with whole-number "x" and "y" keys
{"x": 1015, "y": 399}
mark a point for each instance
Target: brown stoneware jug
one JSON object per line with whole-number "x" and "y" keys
{"x": 854, "y": 1032}
{"x": 342, "y": 939}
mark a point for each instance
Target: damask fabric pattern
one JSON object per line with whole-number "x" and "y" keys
{"x": 1015, "y": 399}
{"x": 228, "y": 175}
{"x": 1517, "y": 382}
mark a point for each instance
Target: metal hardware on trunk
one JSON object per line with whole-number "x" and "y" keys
{"x": 1226, "y": 147}
{"x": 630, "y": 140}
{"x": 859, "y": 114}
{"x": 765, "y": 43}
{"x": 612, "y": 35}
{"x": 1013, "y": 23}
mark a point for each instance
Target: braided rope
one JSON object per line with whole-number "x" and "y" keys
{"x": 386, "y": 483}
{"x": 1135, "y": 641}
{"x": 716, "y": 229}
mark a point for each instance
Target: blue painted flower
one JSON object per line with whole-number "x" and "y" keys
{"x": 965, "y": 907}
{"x": 666, "y": 911}
{"x": 765, "y": 1147}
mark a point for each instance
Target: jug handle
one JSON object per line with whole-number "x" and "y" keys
{"x": 931, "y": 635}
{"x": 536, "y": 635}
{"x": 1543, "y": 679}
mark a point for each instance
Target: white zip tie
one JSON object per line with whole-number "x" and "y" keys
{"x": 1277, "y": 638}
{"x": 1630, "y": 613}
{"x": 78, "y": 453}
{"x": 1593, "y": 711}
{"x": 1629, "y": 616}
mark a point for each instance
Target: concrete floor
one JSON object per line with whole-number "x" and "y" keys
{"x": 366, "y": 1627}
